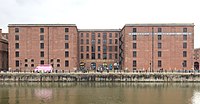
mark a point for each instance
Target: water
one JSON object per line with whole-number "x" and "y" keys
{"x": 99, "y": 93}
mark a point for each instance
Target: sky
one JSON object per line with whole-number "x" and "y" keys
{"x": 100, "y": 14}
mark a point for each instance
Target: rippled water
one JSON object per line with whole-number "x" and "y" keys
{"x": 99, "y": 93}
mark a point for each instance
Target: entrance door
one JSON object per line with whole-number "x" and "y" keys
{"x": 196, "y": 65}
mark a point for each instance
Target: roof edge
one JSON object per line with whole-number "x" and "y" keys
{"x": 161, "y": 24}
{"x": 99, "y": 30}
{"x": 15, "y": 25}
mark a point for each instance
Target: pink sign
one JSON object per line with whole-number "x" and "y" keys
{"x": 43, "y": 68}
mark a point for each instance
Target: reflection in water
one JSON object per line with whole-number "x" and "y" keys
{"x": 100, "y": 92}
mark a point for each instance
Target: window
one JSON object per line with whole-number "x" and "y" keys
{"x": 110, "y": 41}
{"x": 93, "y": 36}
{"x": 159, "y": 63}
{"x": 99, "y": 41}
{"x": 66, "y": 29}
{"x": 184, "y": 29}
{"x": 134, "y": 37}
{"x": 93, "y": 55}
{"x": 104, "y": 41}
{"x": 184, "y": 45}
{"x": 134, "y": 45}
{"x": 41, "y": 37}
{"x": 26, "y": 60}
{"x": 58, "y": 60}
{"x": 17, "y": 54}
{"x": 116, "y": 48}
{"x": 82, "y": 41}
{"x": 134, "y": 30}
{"x": 134, "y": 54}
{"x": 104, "y": 49}
{"x": 16, "y": 30}
{"x": 17, "y": 63}
{"x": 66, "y": 63}
{"x": 116, "y": 41}
{"x": 82, "y": 48}
{"x": 51, "y": 60}
{"x": 42, "y": 62}
{"x": 42, "y": 54}
{"x": 66, "y": 45}
{"x": 99, "y": 56}
{"x": 159, "y": 54}
{"x": 87, "y": 48}
{"x": 99, "y": 34}
{"x": 184, "y": 37}
{"x": 110, "y": 35}
{"x": 16, "y": 45}
{"x": 93, "y": 48}
{"x": 110, "y": 56}
{"x": 41, "y": 45}
{"x": 41, "y": 30}
{"x": 184, "y": 64}
{"x": 159, "y": 30}
{"x": 110, "y": 48}
{"x": 159, "y": 45}
{"x": 116, "y": 35}
{"x": 184, "y": 53}
{"x": 104, "y": 36}
{"x": 87, "y": 56}
{"x": 32, "y": 65}
{"x": 159, "y": 37}
{"x": 58, "y": 65}
{"x": 66, "y": 54}
{"x": 32, "y": 60}
{"x": 104, "y": 56}
{"x": 134, "y": 63}
{"x": 82, "y": 56}
{"x": 116, "y": 56}
{"x": 66, "y": 37}
{"x": 81, "y": 34}
{"x": 26, "y": 65}
{"x": 99, "y": 48}
{"x": 16, "y": 37}
{"x": 87, "y": 35}
{"x": 87, "y": 41}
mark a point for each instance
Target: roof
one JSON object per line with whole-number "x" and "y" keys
{"x": 99, "y": 30}
{"x": 41, "y": 25}
{"x": 161, "y": 24}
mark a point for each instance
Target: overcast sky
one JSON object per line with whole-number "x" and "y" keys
{"x": 89, "y": 14}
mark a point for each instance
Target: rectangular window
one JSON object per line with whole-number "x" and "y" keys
{"x": 159, "y": 37}
{"x": 134, "y": 37}
{"x": 17, "y": 63}
{"x": 116, "y": 35}
{"x": 81, "y": 35}
{"x": 184, "y": 37}
{"x": 99, "y": 35}
{"x": 26, "y": 65}
{"x": 32, "y": 60}
{"x": 116, "y": 41}
{"x": 104, "y": 36}
{"x": 110, "y": 35}
{"x": 104, "y": 49}
{"x": 134, "y": 54}
{"x": 82, "y": 48}
{"x": 104, "y": 41}
{"x": 17, "y": 54}
{"x": 93, "y": 36}
{"x": 41, "y": 37}
{"x": 32, "y": 65}
{"x": 82, "y": 41}
{"x": 66, "y": 54}
{"x": 99, "y": 48}
{"x": 134, "y": 45}
{"x": 87, "y": 35}
{"x": 16, "y": 45}
{"x": 99, "y": 56}
{"x": 41, "y": 45}
{"x": 16, "y": 37}
{"x": 42, "y": 54}
{"x": 159, "y": 54}
{"x": 99, "y": 41}
{"x": 16, "y": 30}
{"x": 58, "y": 65}
{"x": 116, "y": 48}
{"x": 87, "y": 41}
{"x": 184, "y": 64}
{"x": 134, "y": 30}
{"x": 184, "y": 53}
{"x": 66, "y": 37}
{"x": 184, "y": 45}
{"x": 87, "y": 56}
{"x": 42, "y": 62}
{"x": 66, "y": 63}
{"x": 159, "y": 63}
{"x": 104, "y": 56}
{"x": 110, "y": 48}
{"x": 87, "y": 48}
{"x": 110, "y": 56}
{"x": 26, "y": 60}
{"x": 66, "y": 29}
{"x": 110, "y": 41}
{"x": 93, "y": 48}
{"x": 184, "y": 29}
{"x": 41, "y": 30}
{"x": 66, "y": 45}
{"x": 159, "y": 30}
{"x": 116, "y": 56}
{"x": 93, "y": 55}
{"x": 134, "y": 63}
{"x": 58, "y": 60}
{"x": 159, "y": 45}
{"x": 82, "y": 56}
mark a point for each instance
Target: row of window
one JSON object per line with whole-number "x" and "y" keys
{"x": 17, "y": 30}
{"x": 184, "y": 64}
{"x": 93, "y": 56}
{"x": 159, "y": 30}
{"x": 134, "y": 37}
{"x": 110, "y": 48}
{"x": 17, "y": 63}
{"x": 99, "y": 41}
{"x": 99, "y": 35}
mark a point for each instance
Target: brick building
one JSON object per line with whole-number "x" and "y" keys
{"x": 157, "y": 46}
{"x": 148, "y": 47}
{"x": 3, "y": 51}
{"x": 196, "y": 58}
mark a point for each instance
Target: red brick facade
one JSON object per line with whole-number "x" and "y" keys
{"x": 196, "y": 58}
{"x": 3, "y": 51}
